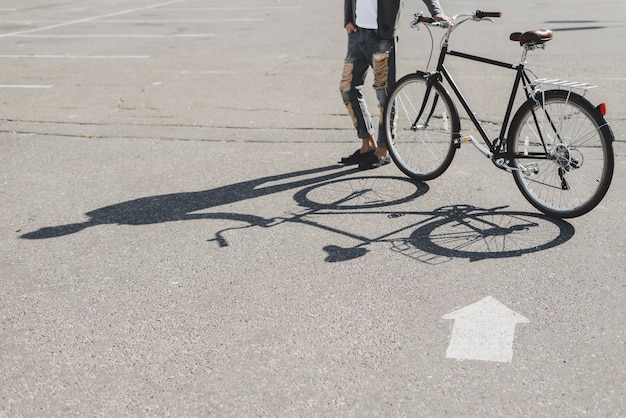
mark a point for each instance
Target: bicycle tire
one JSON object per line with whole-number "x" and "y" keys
{"x": 421, "y": 124}
{"x": 563, "y": 145}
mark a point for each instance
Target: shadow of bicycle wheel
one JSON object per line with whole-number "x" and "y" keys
{"x": 464, "y": 231}
{"x": 360, "y": 192}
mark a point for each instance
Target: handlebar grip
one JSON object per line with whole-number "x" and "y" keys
{"x": 480, "y": 14}
{"x": 426, "y": 19}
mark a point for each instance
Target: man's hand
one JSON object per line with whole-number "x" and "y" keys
{"x": 440, "y": 17}
{"x": 350, "y": 28}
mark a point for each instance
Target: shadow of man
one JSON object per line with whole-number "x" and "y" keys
{"x": 180, "y": 206}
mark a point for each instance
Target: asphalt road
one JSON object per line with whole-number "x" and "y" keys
{"x": 176, "y": 238}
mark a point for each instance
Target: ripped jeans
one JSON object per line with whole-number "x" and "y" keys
{"x": 365, "y": 50}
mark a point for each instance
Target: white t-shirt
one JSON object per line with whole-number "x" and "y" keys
{"x": 367, "y": 14}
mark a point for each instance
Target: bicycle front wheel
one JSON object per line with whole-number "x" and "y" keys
{"x": 420, "y": 121}
{"x": 563, "y": 148}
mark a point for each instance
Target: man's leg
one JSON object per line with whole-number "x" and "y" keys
{"x": 382, "y": 57}
{"x": 368, "y": 144}
{"x": 355, "y": 70}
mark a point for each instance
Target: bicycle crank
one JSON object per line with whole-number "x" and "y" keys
{"x": 531, "y": 168}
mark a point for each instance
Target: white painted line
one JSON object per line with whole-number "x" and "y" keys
{"x": 243, "y": 8}
{"x": 220, "y": 72}
{"x": 90, "y": 19}
{"x": 484, "y": 331}
{"x": 24, "y": 86}
{"x": 134, "y": 21}
{"x": 76, "y": 56}
{"x": 77, "y": 36}
{"x": 186, "y": 72}
{"x": 138, "y": 21}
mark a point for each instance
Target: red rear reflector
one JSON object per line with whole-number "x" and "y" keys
{"x": 602, "y": 109}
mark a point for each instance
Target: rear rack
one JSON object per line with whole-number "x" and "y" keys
{"x": 564, "y": 83}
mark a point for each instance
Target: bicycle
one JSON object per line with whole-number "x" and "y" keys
{"x": 558, "y": 145}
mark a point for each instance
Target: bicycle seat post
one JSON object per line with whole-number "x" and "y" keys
{"x": 523, "y": 60}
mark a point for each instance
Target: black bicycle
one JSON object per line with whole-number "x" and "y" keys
{"x": 558, "y": 145}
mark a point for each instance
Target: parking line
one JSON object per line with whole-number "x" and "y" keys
{"x": 89, "y": 19}
{"x": 76, "y": 56}
{"x": 25, "y": 86}
{"x": 141, "y": 21}
{"x": 236, "y": 8}
{"x": 179, "y": 35}
{"x": 122, "y": 21}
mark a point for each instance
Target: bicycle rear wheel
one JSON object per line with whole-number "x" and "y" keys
{"x": 420, "y": 121}
{"x": 564, "y": 147}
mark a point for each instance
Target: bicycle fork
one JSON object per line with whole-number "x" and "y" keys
{"x": 415, "y": 126}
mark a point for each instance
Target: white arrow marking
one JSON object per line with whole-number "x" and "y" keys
{"x": 483, "y": 331}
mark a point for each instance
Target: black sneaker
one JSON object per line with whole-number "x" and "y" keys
{"x": 356, "y": 158}
{"x": 373, "y": 161}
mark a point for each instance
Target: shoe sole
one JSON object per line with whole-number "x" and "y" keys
{"x": 380, "y": 163}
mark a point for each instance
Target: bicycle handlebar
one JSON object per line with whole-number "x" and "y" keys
{"x": 480, "y": 14}
{"x": 477, "y": 15}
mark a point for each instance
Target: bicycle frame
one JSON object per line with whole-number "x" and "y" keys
{"x": 495, "y": 147}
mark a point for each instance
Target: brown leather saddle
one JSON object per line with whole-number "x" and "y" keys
{"x": 535, "y": 37}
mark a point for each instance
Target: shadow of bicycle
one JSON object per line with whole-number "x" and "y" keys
{"x": 434, "y": 237}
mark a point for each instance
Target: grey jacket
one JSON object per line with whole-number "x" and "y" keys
{"x": 388, "y": 14}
